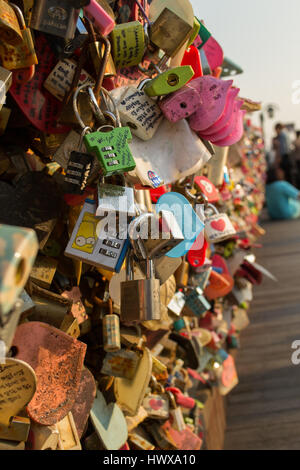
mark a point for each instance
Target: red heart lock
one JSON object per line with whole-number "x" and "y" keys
{"x": 155, "y": 404}
{"x": 218, "y": 225}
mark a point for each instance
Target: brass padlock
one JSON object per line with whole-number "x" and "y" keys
{"x": 9, "y": 26}
{"x": 169, "y": 32}
{"x": 21, "y": 55}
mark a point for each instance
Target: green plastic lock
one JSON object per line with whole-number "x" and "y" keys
{"x": 194, "y": 33}
{"x": 112, "y": 150}
{"x": 169, "y": 81}
{"x": 128, "y": 44}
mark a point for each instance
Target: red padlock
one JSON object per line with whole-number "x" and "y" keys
{"x": 182, "y": 400}
{"x": 192, "y": 57}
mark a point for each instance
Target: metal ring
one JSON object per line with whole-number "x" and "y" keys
{"x": 75, "y": 105}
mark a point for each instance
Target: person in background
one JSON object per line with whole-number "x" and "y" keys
{"x": 283, "y": 199}
{"x": 282, "y": 151}
{"x": 295, "y": 161}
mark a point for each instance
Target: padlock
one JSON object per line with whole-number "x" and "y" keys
{"x": 175, "y": 413}
{"x": 182, "y": 274}
{"x": 181, "y": 104}
{"x": 91, "y": 243}
{"x": 115, "y": 198}
{"x": 121, "y": 364}
{"x": 140, "y": 299}
{"x": 5, "y": 84}
{"x": 9, "y": 25}
{"x": 68, "y": 438}
{"x": 177, "y": 303}
{"x": 59, "y": 82}
{"x": 137, "y": 111}
{"x": 21, "y": 55}
{"x": 153, "y": 237}
{"x": 196, "y": 302}
{"x": 43, "y": 271}
{"x": 111, "y": 331}
{"x": 169, "y": 32}
{"x": 43, "y": 437}
{"x": 101, "y": 20}
{"x": 218, "y": 227}
{"x": 156, "y": 403}
{"x": 57, "y": 17}
{"x": 79, "y": 170}
{"x": 169, "y": 81}
{"x": 128, "y": 44}
{"x": 165, "y": 267}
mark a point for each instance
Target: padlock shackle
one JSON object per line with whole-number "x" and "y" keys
{"x": 19, "y": 15}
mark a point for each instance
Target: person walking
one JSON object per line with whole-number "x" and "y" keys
{"x": 282, "y": 151}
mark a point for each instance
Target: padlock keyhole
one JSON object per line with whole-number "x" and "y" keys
{"x": 20, "y": 270}
{"x": 183, "y": 105}
{"x": 132, "y": 125}
{"x": 173, "y": 79}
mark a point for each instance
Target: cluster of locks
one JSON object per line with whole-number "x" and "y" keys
{"x": 130, "y": 191}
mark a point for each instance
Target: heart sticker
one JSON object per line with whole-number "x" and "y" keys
{"x": 218, "y": 225}
{"x": 155, "y": 404}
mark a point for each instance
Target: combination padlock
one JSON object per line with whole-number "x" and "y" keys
{"x": 78, "y": 172}
{"x": 137, "y": 111}
{"x": 128, "y": 44}
{"x": 140, "y": 299}
{"x": 57, "y": 17}
{"x": 111, "y": 146}
{"x": 92, "y": 241}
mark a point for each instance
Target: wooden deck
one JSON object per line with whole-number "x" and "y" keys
{"x": 263, "y": 412}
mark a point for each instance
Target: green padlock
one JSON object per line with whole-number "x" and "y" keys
{"x": 128, "y": 44}
{"x": 169, "y": 81}
{"x": 112, "y": 150}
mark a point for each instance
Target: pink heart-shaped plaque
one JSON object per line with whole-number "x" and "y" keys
{"x": 155, "y": 404}
{"x": 230, "y": 126}
{"x": 218, "y": 225}
{"x": 221, "y": 123}
{"x": 237, "y": 133}
{"x": 213, "y": 92}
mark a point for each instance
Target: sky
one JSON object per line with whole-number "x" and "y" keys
{"x": 263, "y": 37}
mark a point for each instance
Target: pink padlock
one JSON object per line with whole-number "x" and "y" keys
{"x": 230, "y": 101}
{"x": 181, "y": 104}
{"x": 214, "y": 53}
{"x": 98, "y": 16}
{"x": 230, "y": 127}
{"x": 237, "y": 133}
{"x": 213, "y": 92}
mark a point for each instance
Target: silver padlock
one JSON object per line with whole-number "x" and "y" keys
{"x": 115, "y": 198}
{"x": 57, "y": 17}
{"x": 152, "y": 237}
{"x": 140, "y": 299}
{"x": 176, "y": 413}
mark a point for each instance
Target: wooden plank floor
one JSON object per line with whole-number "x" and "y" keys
{"x": 263, "y": 412}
